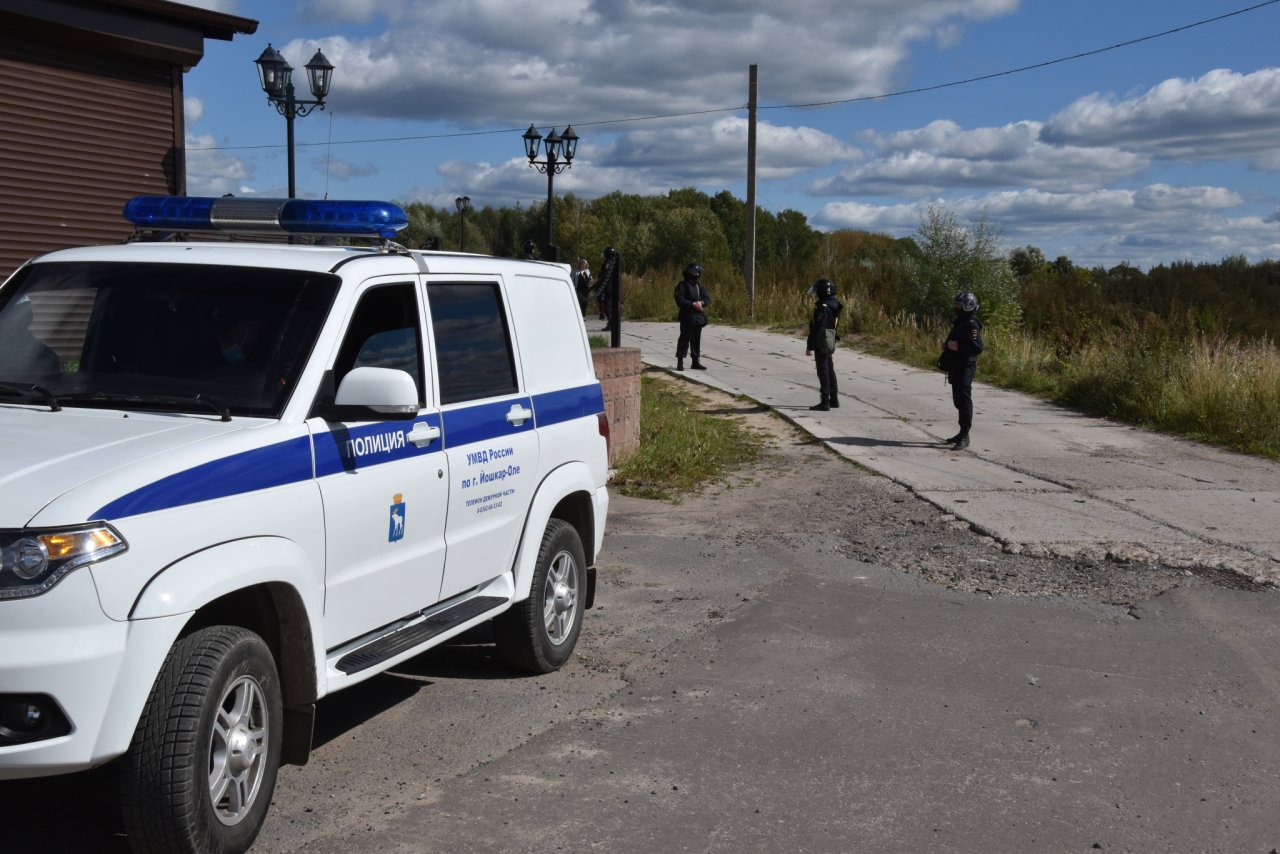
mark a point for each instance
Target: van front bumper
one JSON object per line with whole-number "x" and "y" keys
{"x": 86, "y": 676}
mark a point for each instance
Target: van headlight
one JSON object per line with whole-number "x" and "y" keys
{"x": 33, "y": 561}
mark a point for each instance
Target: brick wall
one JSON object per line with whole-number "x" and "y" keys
{"x": 618, "y": 370}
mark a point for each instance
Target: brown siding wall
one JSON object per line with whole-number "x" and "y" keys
{"x": 618, "y": 370}
{"x": 82, "y": 134}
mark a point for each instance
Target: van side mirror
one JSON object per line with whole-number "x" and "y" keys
{"x": 385, "y": 390}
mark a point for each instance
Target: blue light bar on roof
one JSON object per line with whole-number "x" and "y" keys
{"x": 295, "y": 216}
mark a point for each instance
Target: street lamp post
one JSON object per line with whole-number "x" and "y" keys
{"x": 276, "y": 74}
{"x": 463, "y": 204}
{"x": 559, "y": 157}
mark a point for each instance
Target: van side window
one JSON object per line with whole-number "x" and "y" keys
{"x": 384, "y": 333}
{"x": 472, "y": 341}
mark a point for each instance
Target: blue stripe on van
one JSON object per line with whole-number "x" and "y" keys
{"x": 561, "y": 405}
{"x": 483, "y": 422}
{"x": 341, "y": 450}
{"x": 261, "y": 468}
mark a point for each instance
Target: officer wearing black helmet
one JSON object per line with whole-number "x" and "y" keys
{"x": 822, "y": 343}
{"x": 960, "y": 360}
{"x": 692, "y": 299}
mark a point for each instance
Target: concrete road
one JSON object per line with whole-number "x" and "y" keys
{"x": 1037, "y": 477}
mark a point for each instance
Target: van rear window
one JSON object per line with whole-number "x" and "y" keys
{"x": 472, "y": 341}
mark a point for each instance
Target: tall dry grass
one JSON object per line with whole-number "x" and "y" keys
{"x": 1215, "y": 388}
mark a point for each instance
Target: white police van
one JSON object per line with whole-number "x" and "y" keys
{"x": 236, "y": 477}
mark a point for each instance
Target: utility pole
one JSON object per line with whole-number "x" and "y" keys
{"x": 749, "y": 262}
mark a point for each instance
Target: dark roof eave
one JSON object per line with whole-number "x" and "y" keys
{"x": 214, "y": 25}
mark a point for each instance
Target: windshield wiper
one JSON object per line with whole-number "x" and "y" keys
{"x": 140, "y": 401}
{"x": 46, "y": 396}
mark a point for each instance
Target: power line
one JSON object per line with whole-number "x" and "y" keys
{"x": 1044, "y": 64}
{"x": 736, "y": 108}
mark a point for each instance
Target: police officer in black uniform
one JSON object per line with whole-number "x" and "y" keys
{"x": 692, "y": 299}
{"x": 960, "y": 353}
{"x": 826, "y": 313}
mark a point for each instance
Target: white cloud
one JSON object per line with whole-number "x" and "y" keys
{"x": 557, "y": 61}
{"x": 700, "y": 153}
{"x": 514, "y": 181}
{"x": 343, "y": 170}
{"x": 1154, "y": 224}
{"x": 943, "y": 156}
{"x": 1219, "y": 116}
{"x": 193, "y": 108}
{"x": 213, "y": 173}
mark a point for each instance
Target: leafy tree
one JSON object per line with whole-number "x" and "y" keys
{"x": 626, "y": 224}
{"x": 796, "y": 243}
{"x": 424, "y": 223}
{"x": 1026, "y": 261}
{"x": 688, "y": 197}
{"x": 690, "y": 234}
{"x": 954, "y": 259}
{"x": 732, "y": 215}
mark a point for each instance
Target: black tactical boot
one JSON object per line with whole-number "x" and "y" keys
{"x": 962, "y": 442}
{"x": 698, "y": 366}
{"x": 822, "y": 405}
{"x": 679, "y": 364}
{"x": 833, "y": 402}
{"x": 956, "y": 438}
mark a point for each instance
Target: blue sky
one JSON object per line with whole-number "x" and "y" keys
{"x": 1162, "y": 151}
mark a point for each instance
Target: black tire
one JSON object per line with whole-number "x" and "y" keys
{"x": 538, "y": 635}
{"x": 218, "y": 686}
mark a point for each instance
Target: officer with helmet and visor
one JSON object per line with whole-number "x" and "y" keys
{"x": 822, "y": 341}
{"x": 960, "y": 361}
{"x": 692, "y": 299}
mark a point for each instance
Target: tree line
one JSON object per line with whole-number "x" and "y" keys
{"x": 915, "y": 276}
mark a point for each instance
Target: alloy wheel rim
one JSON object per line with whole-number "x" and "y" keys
{"x": 238, "y": 750}
{"x": 560, "y": 598}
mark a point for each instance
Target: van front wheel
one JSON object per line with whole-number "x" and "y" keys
{"x": 539, "y": 634}
{"x": 202, "y": 766}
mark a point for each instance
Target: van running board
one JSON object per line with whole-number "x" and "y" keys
{"x": 407, "y": 638}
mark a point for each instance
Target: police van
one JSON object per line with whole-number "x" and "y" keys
{"x": 238, "y": 476}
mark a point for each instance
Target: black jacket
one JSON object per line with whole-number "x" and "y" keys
{"x": 687, "y": 293}
{"x": 825, "y": 315}
{"x": 966, "y": 331}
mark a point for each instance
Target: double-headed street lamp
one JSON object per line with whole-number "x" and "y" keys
{"x": 275, "y": 75}
{"x": 559, "y": 157}
{"x": 463, "y": 204}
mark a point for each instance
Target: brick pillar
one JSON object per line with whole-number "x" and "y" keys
{"x": 618, "y": 370}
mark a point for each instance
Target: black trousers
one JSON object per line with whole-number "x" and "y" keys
{"x": 690, "y": 341}
{"x": 962, "y": 393}
{"x": 825, "y": 363}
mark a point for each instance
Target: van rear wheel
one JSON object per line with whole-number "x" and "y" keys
{"x": 538, "y": 635}
{"x": 202, "y": 766}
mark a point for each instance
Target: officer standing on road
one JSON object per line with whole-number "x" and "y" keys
{"x": 960, "y": 358}
{"x": 821, "y": 341}
{"x": 693, "y": 299}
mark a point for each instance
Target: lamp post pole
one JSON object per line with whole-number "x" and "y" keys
{"x": 463, "y": 203}
{"x": 290, "y": 112}
{"x": 276, "y": 76}
{"x": 559, "y": 157}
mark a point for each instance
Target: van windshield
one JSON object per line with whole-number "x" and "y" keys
{"x": 167, "y": 337}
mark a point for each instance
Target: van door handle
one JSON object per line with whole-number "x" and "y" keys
{"x": 517, "y": 415}
{"x": 423, "y": 434}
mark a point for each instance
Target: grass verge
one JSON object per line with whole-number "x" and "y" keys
{"x": 684, "y": 442}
